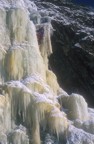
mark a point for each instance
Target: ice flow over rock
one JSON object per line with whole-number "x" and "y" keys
{"x": 31, "y": 101}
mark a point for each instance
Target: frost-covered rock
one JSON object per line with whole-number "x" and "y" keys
{"x": 50, "y": 139}
{"x": 78, "y": 123}
{"x": 78, "y": 136}
{"x": 91, "y": 112}
{"x": 18, "y": 136}
{"x": 88, "y": 126}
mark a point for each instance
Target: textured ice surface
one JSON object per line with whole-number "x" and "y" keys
{"x": 18, "y": 4}
{"x": 78, "y": 136}
{"x": 30, "y": 98}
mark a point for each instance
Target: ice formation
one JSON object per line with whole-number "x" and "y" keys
{"x": 30, "y": 96}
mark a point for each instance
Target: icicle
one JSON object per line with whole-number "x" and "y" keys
{"x": 57, "y": 121}
{"x": 35, "y": 128}
{"x": 43, "y": 34}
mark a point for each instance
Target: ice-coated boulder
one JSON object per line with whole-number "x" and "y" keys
{"x": 76, "y": 106}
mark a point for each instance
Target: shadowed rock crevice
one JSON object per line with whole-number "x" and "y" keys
{"x": 75, "y": 72}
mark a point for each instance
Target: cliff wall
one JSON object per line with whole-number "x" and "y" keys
{"x": 33, "y": 107}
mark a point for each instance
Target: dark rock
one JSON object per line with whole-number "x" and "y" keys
{"x": 73, "y": 45}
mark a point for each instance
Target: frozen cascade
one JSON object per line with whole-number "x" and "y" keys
{"x": 31, "y": 100}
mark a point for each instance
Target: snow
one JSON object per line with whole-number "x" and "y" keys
{"x": 33, "y": 78}
{"x": 42, "y": 98}
{"x": 91, "y": 13}
{"x": 21, "y": 127}
{"x": 91, "y": 113}
{"x": 88, "y": 37}
{"x": 57, "y": 113}
{"x": 77, "y": 45}
{"x": 36, "y": 78}
{"x": 91, "y": 110}
{"x": 78, "y": 136}
{"x": 17, "y": 84}
{"x": 18, "y": 4}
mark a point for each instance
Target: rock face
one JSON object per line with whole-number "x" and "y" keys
{"x": 31, "y": 100}
{"x": 73, "y": 45}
